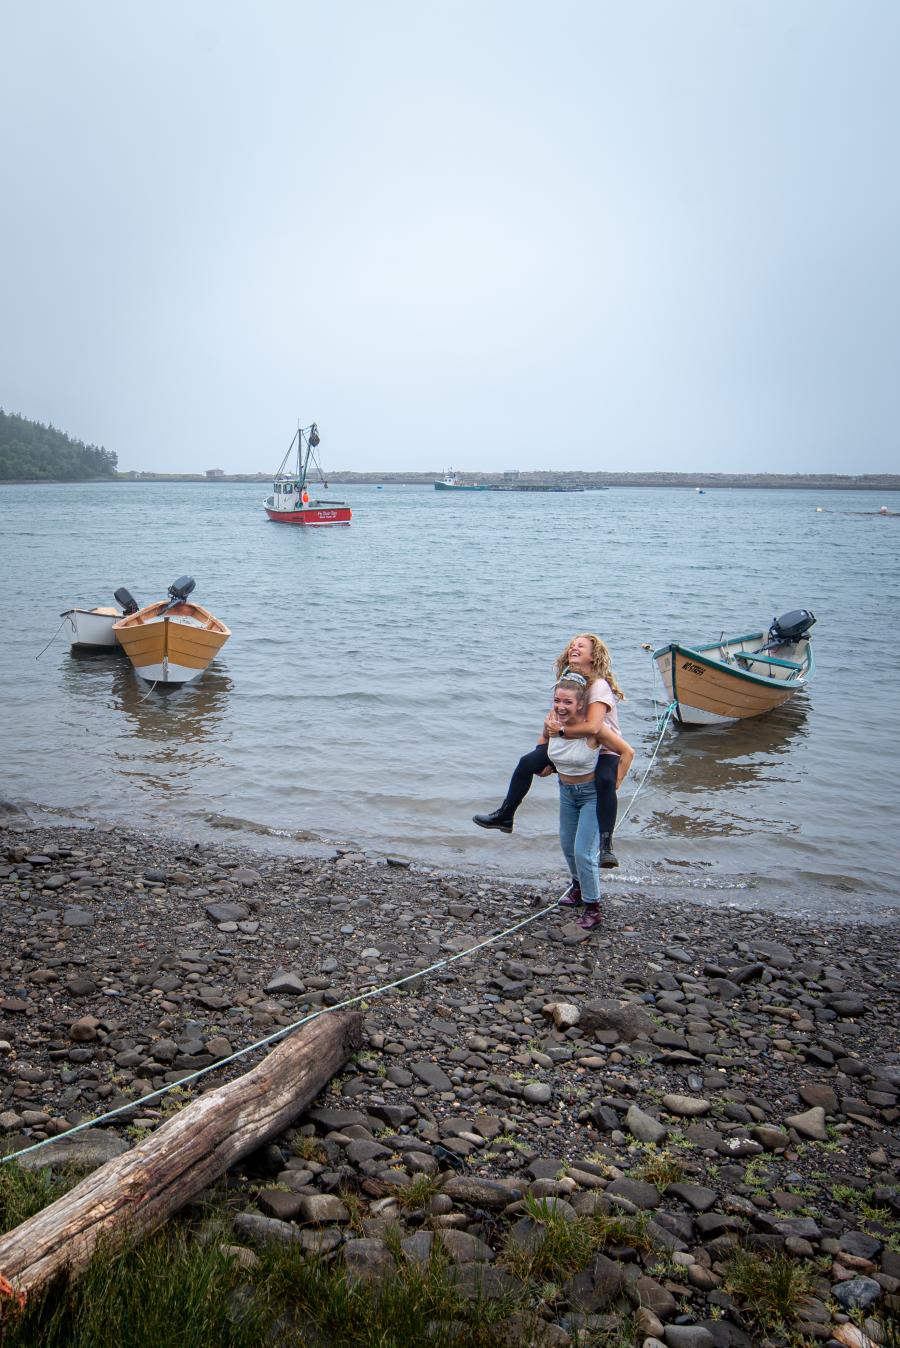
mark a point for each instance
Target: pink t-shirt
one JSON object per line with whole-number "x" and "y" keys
{"x": 600, "y": 691}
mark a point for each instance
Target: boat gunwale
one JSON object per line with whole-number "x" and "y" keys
{"x": 135, "y": 621}
{"x": 693, "y": 652}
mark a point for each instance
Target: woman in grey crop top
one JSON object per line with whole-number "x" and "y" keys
{"x": 588, "y": 655}
{"x": 579, "y": 833}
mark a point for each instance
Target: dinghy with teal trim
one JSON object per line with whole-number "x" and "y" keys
{"x": 737, "y": 677}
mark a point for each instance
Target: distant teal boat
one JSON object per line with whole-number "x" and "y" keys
{"x": 452, "y": 483}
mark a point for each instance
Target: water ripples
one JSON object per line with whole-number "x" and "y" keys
{"x": 382, "y": 680}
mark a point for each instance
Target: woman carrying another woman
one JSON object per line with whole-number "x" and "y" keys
{"x": 575, "y": 760}
{"x": 588, "y": 656}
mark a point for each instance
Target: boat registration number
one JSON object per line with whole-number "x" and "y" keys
{"x": 691, "y": 668}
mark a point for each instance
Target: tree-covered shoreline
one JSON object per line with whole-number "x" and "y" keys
{"x": 32, "y": 452}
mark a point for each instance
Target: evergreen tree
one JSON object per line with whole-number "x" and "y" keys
{"x": 32, "y": 452}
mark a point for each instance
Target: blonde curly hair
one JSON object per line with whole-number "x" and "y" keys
{"x": 601, "y": 663}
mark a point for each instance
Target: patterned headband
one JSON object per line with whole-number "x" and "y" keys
{"x": 571, "y": 676}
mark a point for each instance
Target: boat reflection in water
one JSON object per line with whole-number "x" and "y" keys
{"x": 721, "y": 758}
{"x": 174, "y": 713}
{"x": 710, "y": 784}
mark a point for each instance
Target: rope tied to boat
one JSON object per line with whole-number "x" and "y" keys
{"x": 52, "y": 639}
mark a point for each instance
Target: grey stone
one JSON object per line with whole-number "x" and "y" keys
{"x": 687, "y": 1336}
{"x": 276, "y": 1203}
{"x": 481, "y": 1193}
{"x": 696, "y": 1196}
{"x": 810, "y": 1124}
{"x": 245, "y": 875}
{"x": 595, "y": 1286}
{"x": 857, "y": 1293}
{"x": 226, "y": 912}
{"x": 775, "y": 954}
{"x": 643, "y": 1127}
{"x": 861, "y": 1244}
{"x": 537, "y": 1093}
{"x": 686, "y": 1106}
{"x": 629, "y": 1020}
{"x": 368, "y": 1260}
{"x": 647, "y": 1292}
{"x": 417, "y": 1249}
{"x": 283, "y": 981}
{"x": 822, "y": 1096}
{"x": 79, "y": 985}
{"x": 362, "y": 1150}
{"x": 726, "y": 1334}
{"x": 77, "y": 917}
{"x": 804, "y": 1227}
{"x": 638, "y": 1192}
{"x": 432, "y": 1075}
{"x": 261, "y": 1231}
{"x": 465, "y": 1249}
{"x": 321, "y": 1208}
{"x": 846, "y": 1004}
{"x": 333, "y": 1120}
{"x": 84, "y": 1151}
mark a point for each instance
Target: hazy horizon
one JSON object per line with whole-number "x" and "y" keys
{"x": 647, "y": 238}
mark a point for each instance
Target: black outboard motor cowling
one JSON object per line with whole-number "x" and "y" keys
{"x": 791, "y": 627}
{"x": 181, "y": 588}
{"x": 126, "y": 601}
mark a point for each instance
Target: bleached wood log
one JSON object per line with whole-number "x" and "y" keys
{"x": 135, "y": 1193}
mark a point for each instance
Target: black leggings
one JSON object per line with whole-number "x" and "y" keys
{"x": 530, "y": 765}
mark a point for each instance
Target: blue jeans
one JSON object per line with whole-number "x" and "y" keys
{"x": 579, "y": 836}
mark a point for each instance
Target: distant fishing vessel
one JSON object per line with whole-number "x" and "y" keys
{"x": 452, "y": 482}
{"x": 738, "y": 677}
{"x": 290, "y": 500}
{"x": 174, "y": 640}
{"x": 92, "y": 628}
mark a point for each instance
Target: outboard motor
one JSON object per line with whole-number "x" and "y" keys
{"x": 791, "y": 627}
{"x": 181, "y": 588}
{"x": 126, "y": 601}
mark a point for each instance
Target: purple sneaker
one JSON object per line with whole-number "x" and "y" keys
{"x": 591, "y": 917}
{"x": 572, "y": 896}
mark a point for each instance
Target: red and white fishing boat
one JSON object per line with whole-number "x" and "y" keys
{"x": 290, "y": 502}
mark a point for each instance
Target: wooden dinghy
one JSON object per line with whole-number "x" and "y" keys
{"x": 174, "y": 640}
{"x": 737, "y": 677}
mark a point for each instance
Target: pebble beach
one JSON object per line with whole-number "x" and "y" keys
{"x": 733, "y": 1076}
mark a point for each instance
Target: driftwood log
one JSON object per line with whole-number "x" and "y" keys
{"x": 135, "y": 1193}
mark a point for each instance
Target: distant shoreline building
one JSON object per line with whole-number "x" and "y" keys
{"x": 215, "y": 472}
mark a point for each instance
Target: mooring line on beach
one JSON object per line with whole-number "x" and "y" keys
{"x": 369, "y": 995}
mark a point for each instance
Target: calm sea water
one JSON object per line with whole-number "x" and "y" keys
{"x": 383, "y": 679}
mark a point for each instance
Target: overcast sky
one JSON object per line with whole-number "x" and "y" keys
{"x": 492, "y": 235}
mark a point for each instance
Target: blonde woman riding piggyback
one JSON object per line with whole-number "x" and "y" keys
{"x": 587, "y": 655}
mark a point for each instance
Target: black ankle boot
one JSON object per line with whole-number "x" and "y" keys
{"x": 608, "y": 858}
{"x": 501, "y": 819}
